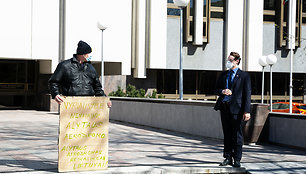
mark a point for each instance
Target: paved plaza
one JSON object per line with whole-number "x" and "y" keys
{"x": 28, "y": 144}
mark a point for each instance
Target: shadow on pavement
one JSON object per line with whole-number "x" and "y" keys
{"x": 29, "y": 165}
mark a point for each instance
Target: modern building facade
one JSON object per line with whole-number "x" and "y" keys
{"x": 141, "y": 44}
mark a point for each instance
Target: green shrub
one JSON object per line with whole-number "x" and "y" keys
{"x": 131, "y": 91}
{"x": 161, "y": 96}
{"x": 142, "y": 93}
{"x": 118, "y": 93}
{"x": 153, "y": 94}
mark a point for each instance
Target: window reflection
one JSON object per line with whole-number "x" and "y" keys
{"x": 191, "y": 7}
{"x": 217, "y": 3}
{"x": 173, "y": 12}
{"x": 269, "y": 5}
{"x": 217, "y": 15}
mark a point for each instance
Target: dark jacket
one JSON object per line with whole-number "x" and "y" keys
{"x": 241, "y": 92}
{"x": 75, "y": 79}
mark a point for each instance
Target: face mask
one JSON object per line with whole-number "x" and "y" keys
{"x": 229, "y": 65}
{"x": 88, "y": 58}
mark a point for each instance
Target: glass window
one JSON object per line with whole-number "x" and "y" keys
{"x": 189, "y": 85}
{"x": 303, "y": 11}
{"x": 207, "y": 81}
{"x": 16, "y": 73}
{"x": 275, "y": 106}
{"x": 204, "y": 9}
{"x": 269, "y": 4}
{"x": 191, "y": 8}
{"x": 302, "y": 107}
{"x": 217, "y": 3}
{"x": 173, "y": 12}
{"x": 269, "y": 18}
{"x": 167, "y": 81}
{"x": 286, "y": 12}
{"x": 217, "y": 15}
{"x": 304, "y": 6}
{"x": 217, "y": 9}
{"x": 204, "y": 29}
{"x": 191, "y": 28}
{"x": 284, "y": 106}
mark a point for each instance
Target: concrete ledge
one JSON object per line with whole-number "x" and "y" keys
{"x": 287, "y": 129}
{"x": 159, "y": 170}
{"x": 167, "y": 101}
{"x": 191, "y": 117}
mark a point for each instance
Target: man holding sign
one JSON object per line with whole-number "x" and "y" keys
{"x": 76, "y": 76}
{"x": 83, "y": 133}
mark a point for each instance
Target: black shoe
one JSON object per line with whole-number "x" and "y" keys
{"x": 227, "y": 161}
{"x": 236, "y": 164}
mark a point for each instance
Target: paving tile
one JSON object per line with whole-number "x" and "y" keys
{"x": 28, "y": 143}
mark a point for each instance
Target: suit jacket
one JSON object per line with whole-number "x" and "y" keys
{"x": 241, "y": 92}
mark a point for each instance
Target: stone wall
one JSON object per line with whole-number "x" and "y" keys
{"x": 287, "y": 129}
{"x": 191, "y": 117}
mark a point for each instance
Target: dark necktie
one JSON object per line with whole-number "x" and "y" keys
{"x": 229, "y": 79}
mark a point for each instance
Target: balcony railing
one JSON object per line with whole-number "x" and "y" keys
{"x": 253, "y": 97}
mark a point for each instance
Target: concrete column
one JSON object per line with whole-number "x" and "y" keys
{"x": 156, "y": 34}
{"x": 234, "y": 26}
{"x": 198, "y": 22}
{"x": 253, "y": 35}
{"x": 139, "y": 37}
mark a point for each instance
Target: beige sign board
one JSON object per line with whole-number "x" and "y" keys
{"x": 83, "y": 134}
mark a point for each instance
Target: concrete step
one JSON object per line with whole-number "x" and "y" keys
{"x": 155, "y": 170}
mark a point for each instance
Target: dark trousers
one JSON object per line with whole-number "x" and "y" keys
{"x": 232, "y": 130}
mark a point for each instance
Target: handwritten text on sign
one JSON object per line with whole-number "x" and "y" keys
{"x": 83, "y": 137}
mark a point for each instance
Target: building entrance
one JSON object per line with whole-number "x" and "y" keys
{"x": 18, "y": 82}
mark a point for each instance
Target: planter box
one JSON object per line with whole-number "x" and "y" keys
{"x": 254, "y": 126}
{"x": 191, "y": 117}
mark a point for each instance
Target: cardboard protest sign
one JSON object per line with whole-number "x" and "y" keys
{"x": 83, "y": 134}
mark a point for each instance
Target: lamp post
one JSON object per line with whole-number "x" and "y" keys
{"x": 263, "y": 62}
{"x": 291, "y": 43}
{"x": 181, "y": 4}
{"x": 271, "y": 60}
{"x": 102, "y": 28}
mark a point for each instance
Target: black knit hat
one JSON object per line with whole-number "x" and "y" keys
{"x": 83, "y": 48}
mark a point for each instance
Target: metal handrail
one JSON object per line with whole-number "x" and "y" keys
{"x": 214, "y": 97}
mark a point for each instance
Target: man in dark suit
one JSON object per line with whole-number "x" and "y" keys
{"x": 234, "y": 90}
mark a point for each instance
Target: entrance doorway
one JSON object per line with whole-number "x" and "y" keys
{"x": 18, "y": 82}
